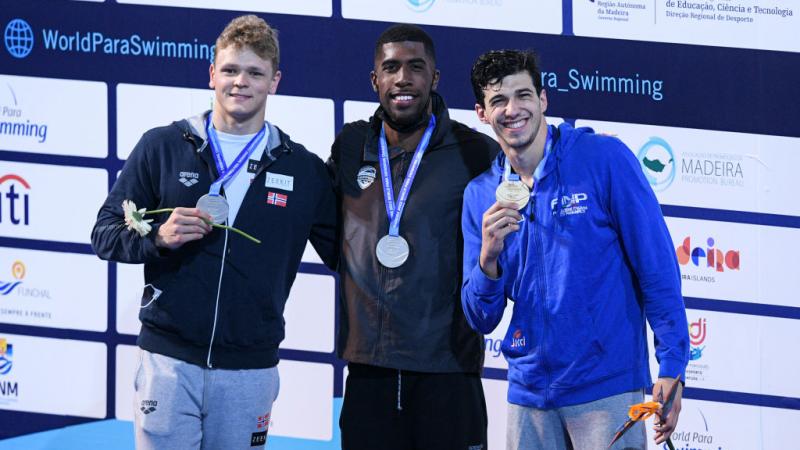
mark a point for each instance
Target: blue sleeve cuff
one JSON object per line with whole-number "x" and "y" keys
{"x": 485, "y": 286}
{"x": 671, "y": 368}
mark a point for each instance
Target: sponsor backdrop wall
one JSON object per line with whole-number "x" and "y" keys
{"x": 704, "y": 92}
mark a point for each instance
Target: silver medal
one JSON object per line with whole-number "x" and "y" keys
{"x": 215, "y": 206}
{"x": 392, "y": 251}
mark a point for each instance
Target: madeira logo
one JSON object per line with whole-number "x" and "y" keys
{"x": 658, "y": 163}
{"x": 14, "y": 201}
{"x": 697, "y": 335}
{"x": 710, "y": 257}
{"x": 18, "y": 272}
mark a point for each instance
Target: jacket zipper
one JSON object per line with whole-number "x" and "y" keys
{"x": 382, "y": 270}
{"x": 222, "y": 269}
{"x": 542, "y": 285}
{"x": 216, "y": 303}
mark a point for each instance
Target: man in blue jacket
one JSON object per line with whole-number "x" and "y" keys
{"x": 565, "y": 225}
{"x": 212, "y": 307}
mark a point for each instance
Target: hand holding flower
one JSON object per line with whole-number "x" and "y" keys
{"x": 182, "y": 226}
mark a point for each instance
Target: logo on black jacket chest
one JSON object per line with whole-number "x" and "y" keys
{"x": 366, "y": 175}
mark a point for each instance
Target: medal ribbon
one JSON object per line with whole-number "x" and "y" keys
{"x": 508, "y": 176}
{"x": 395, "y": 211}
{"x": 225, "y": 172}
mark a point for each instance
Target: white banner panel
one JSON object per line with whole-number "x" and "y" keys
{"x": 130, "y": 283}
{"x": 320, "y": 8}
{"x": 54, "y": 116}
{"x": 493, "y": 356}
{"x": 55, "y": 290}
{"x": 731, "y": 261}
{"x": 779, "y": 427}
{"x": 713, "y": 169}
{"x": 52, "y": 376}
{"x": 310, "y": 314}
{"x": 705, "y": 425}
{"x": 304, "y": 408}
{"x": 135, "y": 114}
{"x": 768, "y": 25}
{"x": 39, "y": 201}
{"x": 740, "y": 353}
{"x": 127, "y": 361}
{"x": 496, "y": 393}
{"x": 543, "y": 16}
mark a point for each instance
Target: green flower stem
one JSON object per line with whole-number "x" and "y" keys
{"x": 216, "y": 225}
{"x": 235, "y": 230}
{"x": 159, "y": 211}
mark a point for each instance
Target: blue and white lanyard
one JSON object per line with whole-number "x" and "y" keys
{"x": 394, "y": 212}
{"x": 225, "y": 172}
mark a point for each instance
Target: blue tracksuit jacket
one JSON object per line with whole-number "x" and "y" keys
{"x": 592, "y": 260}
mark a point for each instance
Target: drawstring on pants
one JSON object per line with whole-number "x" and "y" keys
{"x": 399, "y": 389}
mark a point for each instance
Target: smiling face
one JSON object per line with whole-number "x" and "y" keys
{"x": 241, "y": 81}
{"x": 404, "y": 77}
{"x": 514, "y": 111}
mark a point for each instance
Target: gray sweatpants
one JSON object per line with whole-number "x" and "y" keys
{"x": 588, "y": 426}
{"x": 184, "y": 406}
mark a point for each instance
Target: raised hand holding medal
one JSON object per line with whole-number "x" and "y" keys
{"x": 213, "y": 204}
{"x": 393, "y": 250}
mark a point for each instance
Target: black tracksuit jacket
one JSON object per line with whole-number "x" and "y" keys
{"x": 240, "y": 324}
{"x": 409, "y": 317}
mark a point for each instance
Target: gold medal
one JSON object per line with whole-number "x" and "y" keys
{"x": 513, "y": 191}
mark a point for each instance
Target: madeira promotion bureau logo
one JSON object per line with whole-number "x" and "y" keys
{"x": 18, "y": 37}
{"x": 658, "y": 163}
{"x": 420, "y": 5}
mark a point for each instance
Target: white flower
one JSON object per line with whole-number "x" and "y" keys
{"x": 134, "y": 218}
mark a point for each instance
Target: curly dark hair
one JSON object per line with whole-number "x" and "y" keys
{"x": 495, "y": 65}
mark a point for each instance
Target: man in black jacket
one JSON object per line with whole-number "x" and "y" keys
{"x": 414, "y": 363}
{"x": 212, "y": 308}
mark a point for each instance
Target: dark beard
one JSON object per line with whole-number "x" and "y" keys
{"x": 409, "y": 127}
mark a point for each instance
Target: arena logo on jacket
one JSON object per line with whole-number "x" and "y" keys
{"x": 571, "y": 204}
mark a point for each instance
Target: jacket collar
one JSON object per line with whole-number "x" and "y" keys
{"x": 550, "y": 161}
{"x": 440, "y": 133}
{"x": 194, "y": 130}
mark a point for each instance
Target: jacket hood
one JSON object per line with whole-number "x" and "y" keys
{"x": 196, "y": 126}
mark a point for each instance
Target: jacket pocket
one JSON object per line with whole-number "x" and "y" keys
{"x": 574, "y": 350}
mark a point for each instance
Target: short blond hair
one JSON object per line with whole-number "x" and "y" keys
{"x": 254, "y": 33}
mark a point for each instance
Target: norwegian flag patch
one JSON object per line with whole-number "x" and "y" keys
{"x": 273, "y": 198}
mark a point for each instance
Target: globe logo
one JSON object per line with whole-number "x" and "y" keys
{"x": 420, "y": 5}
{"x": 18, "y": 38}
{"x": 658, "y": 163}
